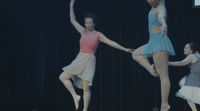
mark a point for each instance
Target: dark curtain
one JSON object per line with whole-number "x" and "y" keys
{"x": 37, "y": 40}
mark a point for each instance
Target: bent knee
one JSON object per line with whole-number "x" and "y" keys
{"x": 61, "y": 78}
{"x": 134, "y": 54}
{"x": 64, "y": 76}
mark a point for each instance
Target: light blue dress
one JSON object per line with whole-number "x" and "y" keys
{"x": 156, "y": 42}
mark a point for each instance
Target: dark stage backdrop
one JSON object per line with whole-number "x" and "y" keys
{"x": 37, "y": 40}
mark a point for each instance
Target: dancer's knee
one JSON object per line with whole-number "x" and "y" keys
{"x": 86, "y": 87}
{"x": 64, "y": 76}
{"x": 163, "y": 76}
{"x": 162, "y": 71}
{"x": 61, "y": 77}
{"x": 134, "y": 55}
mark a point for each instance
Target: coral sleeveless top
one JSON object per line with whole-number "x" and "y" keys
{"x": 89, "y": 42}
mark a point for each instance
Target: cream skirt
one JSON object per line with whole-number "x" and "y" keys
{"x": 83, "y": 67}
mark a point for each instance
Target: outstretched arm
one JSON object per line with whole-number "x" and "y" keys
{"x": 111, "y": 43}
{"x": 184, "y": 62}
{"x": 76, "y": 25}
{"x": 161, "y": 19}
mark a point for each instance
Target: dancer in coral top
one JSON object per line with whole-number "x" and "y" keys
{"x": 82, "y": 69}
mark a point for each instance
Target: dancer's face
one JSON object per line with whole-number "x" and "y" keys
{"x": 187, "y": 50}
{"x": 153, "y": 3}
{"x": 89, "y": 24}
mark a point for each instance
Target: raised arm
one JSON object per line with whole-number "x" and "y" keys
{"x": 189, "y": 59}
{"x": 111, "y": 43}
{"x": 161, "y": 19}
{"x": 76, "y": 25}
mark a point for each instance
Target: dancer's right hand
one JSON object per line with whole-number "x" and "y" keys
{"x": 72, "y": 2}
{"x": 163, "y": 29}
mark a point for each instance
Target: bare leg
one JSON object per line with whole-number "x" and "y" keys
{"x": 192, "y": 105}
{"x": 161, "y": 63}
{"x": 143, "y": 61}
{"x": 87, "y": 95}
{"x": 64, "y": 77}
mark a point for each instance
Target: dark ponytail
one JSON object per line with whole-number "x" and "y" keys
{"x": 194, "y": 47}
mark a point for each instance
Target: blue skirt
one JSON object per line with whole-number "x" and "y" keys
{"x": 157, "y": 44}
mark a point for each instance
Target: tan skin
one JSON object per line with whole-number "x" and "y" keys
{"x": 190, "y": 59}
{"x": 65, "y": 76}
{"x": 160, "y": 58}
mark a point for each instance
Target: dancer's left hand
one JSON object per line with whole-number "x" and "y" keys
{"x": 163, "y": 29}
{"x": 129, "y": 50}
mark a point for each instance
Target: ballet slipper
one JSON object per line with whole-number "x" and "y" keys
{"x": 153, "y": 71}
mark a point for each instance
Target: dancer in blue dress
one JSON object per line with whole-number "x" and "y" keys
{"x": 159, "y": 47}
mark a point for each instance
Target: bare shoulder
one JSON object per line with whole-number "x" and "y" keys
{"x": 82, "y": 31}
{"x": 100, "y": 34}
{"x": 103, "y": 38}
{"x": 161, "y": 11}
{"x": 193, "y": 58}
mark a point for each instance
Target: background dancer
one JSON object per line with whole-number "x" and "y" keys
{"x": 190, "y": 85}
